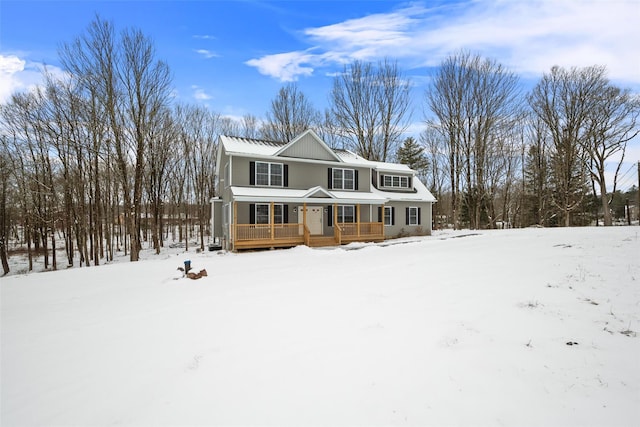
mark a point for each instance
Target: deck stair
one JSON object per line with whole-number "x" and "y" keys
{"x": 321, "y": 241}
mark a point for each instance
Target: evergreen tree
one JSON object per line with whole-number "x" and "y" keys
{"x": 410, "y": 153}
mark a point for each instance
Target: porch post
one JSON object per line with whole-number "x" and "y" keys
{"x": 358, "y": 218}
{"x": 336, "y": 228}
{"x": 235, "y": 223}
{"x": 271, "y": 216}
{"x": 304, "y": 217}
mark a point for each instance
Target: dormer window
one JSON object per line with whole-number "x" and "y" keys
{"x": 396, "y": 181}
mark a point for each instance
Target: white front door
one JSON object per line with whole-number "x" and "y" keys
{"x": 314, "y": 219}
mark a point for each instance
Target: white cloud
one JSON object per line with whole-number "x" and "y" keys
{"x": 204, "y": 37}
{"x": 527, "y": 36}
{"x": 288, "y": 66}
{"x": 11, "y": 68}
{"x": 200, "y": 94}
{"x": 368, "y": 36}
{"x": 19, "y": 75}
{"x": 207, "y": 53}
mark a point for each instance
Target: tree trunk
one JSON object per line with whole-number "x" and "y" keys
{"x": 3, "y": 257}
{"x": 607, "y": 220}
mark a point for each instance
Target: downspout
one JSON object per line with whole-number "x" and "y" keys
{"x": 212, "y": 235}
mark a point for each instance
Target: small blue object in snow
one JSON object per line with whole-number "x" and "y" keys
{"x": 187, "y": 265}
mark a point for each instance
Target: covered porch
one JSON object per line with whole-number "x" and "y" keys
{"x": 314, "y": 218}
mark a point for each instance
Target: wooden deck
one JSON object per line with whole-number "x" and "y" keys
{"x": 260, "y": 236}
{"x": 255, "y": 236}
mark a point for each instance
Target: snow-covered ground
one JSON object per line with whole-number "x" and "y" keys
{"x": 461, "y": 328}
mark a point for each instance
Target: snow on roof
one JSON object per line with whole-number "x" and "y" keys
{"x": 391, "y": 167}
{"x": 422, "y": 194}
{"x": 234, "y": 144}
{"x": 249, "y": 146}
{"x": 264, "y": 194}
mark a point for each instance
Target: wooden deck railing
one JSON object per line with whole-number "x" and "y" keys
{"x": 353, "y": 231}
{"x": 267, "y": 235}
{"x": 266, "y": 231}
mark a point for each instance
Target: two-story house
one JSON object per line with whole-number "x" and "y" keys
{"x": 275, "y": 194}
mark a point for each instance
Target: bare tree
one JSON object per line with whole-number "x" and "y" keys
{"x": 250, "y": 127}
{"x": 329, "y": 131}
{"x": 370, "y": 106}
{"x": 198, "y": 131}
{"x": 5, "y": 217}
{"x": 147, "y": 88}
{"x": 66, "y": 132}
{"x": 132, "y": 88}
{"x": 536, "y": 195}
{"x": 436, "y": 176}
{"x": 563, "y": 100}
{"x": 160, "y": 162}
{"x": 14, "y": 145}
{"x": 291, "y": 114}
{"x": 610, "y": 124}
{"x": 474, "y": 101}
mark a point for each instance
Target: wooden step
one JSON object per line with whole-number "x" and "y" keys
{"x": 320, "y": 241}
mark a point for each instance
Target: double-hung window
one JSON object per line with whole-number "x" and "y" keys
{"x": 413, "y": 216}
{"x": 346, "y": 213}
{"x": 388, "y": 215}
{"x": 343, "y": 179}
{"x": 263, "y": 213}
{"x": 269, "y": 174}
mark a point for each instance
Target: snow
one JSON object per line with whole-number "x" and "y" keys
{"x": 460, "y": 328}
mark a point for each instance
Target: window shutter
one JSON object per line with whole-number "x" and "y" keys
{"x": 252, "y": 213}
{"x": 330, "y": 216}
{"x": 252, "y": 173}
{"x": 393, "y": 215}
{"x": 285, "y": 214}
{"x": 330, "y": 179}
{"x": 407, "y": 218}
{"x": 381, "y": 181}
{"x": 286, "y": 175}
{"x": 410, "y": 183}
{"x": 419, "y": 219}
{"x": 380, "y": 217}
{"x": 355, "y": 180}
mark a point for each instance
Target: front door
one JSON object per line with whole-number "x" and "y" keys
{"x": 314, "y": 219}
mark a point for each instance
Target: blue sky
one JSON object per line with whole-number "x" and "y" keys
{"x": 233, "y": 56}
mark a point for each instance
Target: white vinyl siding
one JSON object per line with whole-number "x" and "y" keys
{"x": 227, "y": 175}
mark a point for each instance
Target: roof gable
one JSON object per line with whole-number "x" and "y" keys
{"x": 308, "y": 145}
{"x": 318, "y": 193}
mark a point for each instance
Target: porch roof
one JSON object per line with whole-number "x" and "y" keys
{"x": 317, "y": 195}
